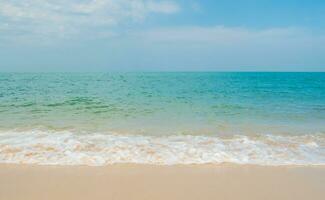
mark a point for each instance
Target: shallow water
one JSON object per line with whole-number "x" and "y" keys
{"x": 162, "y": 118}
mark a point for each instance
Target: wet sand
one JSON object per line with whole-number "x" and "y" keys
{"x": 144, "y": 182}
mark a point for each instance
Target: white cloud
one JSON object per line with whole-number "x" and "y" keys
{"x": 195, "y": 6}
{"x": 222, "y": 34}
{"x": 220, "y": 46}
{"x": 163, "y": 7}
{"x": 63, "y": 18}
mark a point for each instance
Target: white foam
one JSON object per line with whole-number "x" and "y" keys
{"x": 68, "y": 148}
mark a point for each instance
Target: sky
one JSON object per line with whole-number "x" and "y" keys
{"x": 162, "y": 35}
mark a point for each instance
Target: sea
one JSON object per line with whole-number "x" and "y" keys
{"x": 162, "y": 118}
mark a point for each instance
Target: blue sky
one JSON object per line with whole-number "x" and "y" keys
{"x": 168, "y": 35}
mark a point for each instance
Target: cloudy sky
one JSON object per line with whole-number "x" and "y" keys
{"x": 162, "y": 35}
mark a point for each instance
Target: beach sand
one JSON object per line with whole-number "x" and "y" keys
{"x": 144, "y": 182}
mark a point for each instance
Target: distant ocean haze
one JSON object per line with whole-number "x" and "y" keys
{"x": 194, "y": 117}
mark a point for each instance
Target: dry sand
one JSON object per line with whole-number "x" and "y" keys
{"x": 142, "y": 182}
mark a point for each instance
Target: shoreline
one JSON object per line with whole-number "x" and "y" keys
{"x": 137, "y": 181}
{"x": 66, "y": 148}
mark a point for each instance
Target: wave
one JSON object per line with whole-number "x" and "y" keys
{"x": 98, "y": 149}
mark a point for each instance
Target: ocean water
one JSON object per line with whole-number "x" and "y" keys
{"x": 162, "y": 118}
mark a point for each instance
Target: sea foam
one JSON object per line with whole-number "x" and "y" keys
{"x": 98, "y": 149}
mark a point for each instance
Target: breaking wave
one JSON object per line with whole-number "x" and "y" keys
{"x": 98, "y": 149}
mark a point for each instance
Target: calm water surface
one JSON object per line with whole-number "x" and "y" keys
{"x": 263, "y": 118}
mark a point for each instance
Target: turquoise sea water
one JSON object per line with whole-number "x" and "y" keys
{"x": 162, "y": 118}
